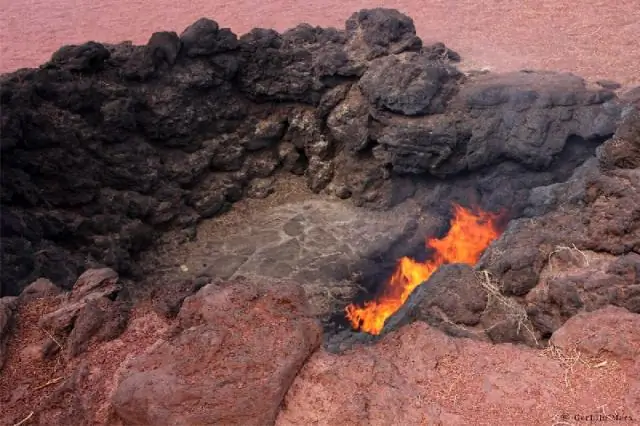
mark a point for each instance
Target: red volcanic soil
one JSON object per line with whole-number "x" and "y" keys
{"x": 593, "y": 38}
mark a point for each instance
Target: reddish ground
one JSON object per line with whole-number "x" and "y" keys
{"x": 593, "y": 38}
{"x": 416, "y": 376}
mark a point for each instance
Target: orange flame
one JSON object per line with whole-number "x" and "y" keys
{"x": 469, "y": 235}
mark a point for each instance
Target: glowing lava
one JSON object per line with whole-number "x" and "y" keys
{"x": 470, "y": 234}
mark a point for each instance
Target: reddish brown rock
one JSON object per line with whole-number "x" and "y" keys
{"x": 577, "y": 281}
{"x": 92, "y": 285}
{"x": 86, "y": 311}
{"x": 371, "y": 385}
{"x": 230, "y": 361}
{"x": 418, "y": 375}
{"x": 103, "y": 281}
{"x": 66, "y": 391}
{"x": 41, "y": 287}
{"x": 611, "y": 330}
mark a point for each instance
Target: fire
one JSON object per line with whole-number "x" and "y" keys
{"x": 469, "y": 235}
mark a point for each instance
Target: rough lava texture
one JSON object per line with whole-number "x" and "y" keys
{"x": 132, "y": 141}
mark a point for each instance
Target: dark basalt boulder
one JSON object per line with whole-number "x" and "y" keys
{"x": 409, "y": 84}
{"x": 271, "y": 71}
{"x": 378, "y": 32}
{"x": 204, "y": 38}
{"x": 88, "y": 57}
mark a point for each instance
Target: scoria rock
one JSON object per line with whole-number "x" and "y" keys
{"x": 420, "y": 86}
{"x": 204, "y": 37}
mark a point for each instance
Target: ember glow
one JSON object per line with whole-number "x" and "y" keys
{"x": 470, "y": 233}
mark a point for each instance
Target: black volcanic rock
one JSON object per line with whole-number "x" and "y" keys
{"x": 204, "y": 37}
{"x": 523, "y": 117}
{"x": 439, "y": 52}
{"x": 378, "y": 32}
{"x": 164, "y": 46}
{"x": 409, "y": 84}
{"x": 84, "y": 58}
{"x": 349, "y": 122}
{"x": 327, "y": 47}
{"x": 416, "y": 147}
{"x": 272, "y": 71}
{"x": 528, "y": 116}
{"x": 453, "y": 289}
{"x": 623, "y": 150}
{"x": 302, "y": 63}
{"x": 105, "y": 147}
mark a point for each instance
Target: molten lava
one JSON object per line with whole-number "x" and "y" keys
{"x": 470, "y": 234}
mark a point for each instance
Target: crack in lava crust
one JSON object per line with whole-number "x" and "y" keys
{"x": 470, "y": 233}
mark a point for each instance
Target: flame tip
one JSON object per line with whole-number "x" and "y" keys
{"x": 471, "y": 231}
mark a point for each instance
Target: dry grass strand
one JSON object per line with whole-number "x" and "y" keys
{"x": 25, "y": 420}
{"x": 49, "y": 383}
{"x": 570, "y": 358}
{"x": 571, "y": 249}
{"x": 514, "y": 310}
